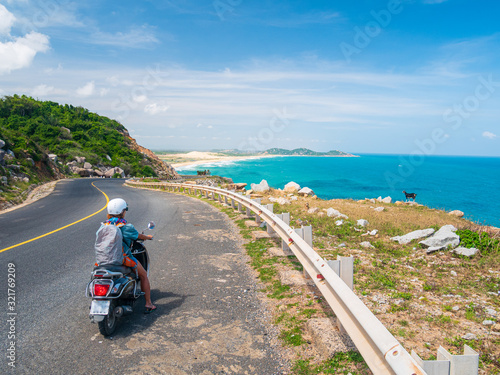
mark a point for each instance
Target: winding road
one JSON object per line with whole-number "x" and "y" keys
{"x": 209, "y": 318}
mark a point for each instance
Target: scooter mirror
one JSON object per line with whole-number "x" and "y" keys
{"x": 151, "y": 225}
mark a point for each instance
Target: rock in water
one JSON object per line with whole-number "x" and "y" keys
{"x": 260, "y": 188}
{"x": 443, "y": 238}
{"x": 407, "y": 238}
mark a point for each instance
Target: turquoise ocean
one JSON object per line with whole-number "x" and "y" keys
{"x": 468, "y": 184}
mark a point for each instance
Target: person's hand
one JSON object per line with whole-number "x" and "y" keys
{"x": 149, "y": 237}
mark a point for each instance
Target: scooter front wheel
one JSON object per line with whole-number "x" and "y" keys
{"x": 108, "y": 325}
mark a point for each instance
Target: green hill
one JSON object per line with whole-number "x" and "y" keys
{"x": 43, "y": 140}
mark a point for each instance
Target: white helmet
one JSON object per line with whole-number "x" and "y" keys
{"x": 116, "y": 206}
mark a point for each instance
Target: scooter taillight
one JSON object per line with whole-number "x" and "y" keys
{"x": 101, "y": 290}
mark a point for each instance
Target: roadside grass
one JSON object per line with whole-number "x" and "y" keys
{"x": 443, "y": 294}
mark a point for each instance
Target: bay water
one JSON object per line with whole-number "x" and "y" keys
{"x": 468, "y": 184}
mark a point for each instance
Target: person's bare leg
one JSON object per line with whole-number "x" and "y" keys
{"x": 145, "y": 287}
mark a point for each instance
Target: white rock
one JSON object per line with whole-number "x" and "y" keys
{"x": 379, "y": 199}
{"x": 339, "y": 222}
{"x": 453, "y": 273}
{"x": 108, "y": 157}
{"x": 374, "y": 232}
{"x": 443, "y": 238}
{"x": 87, "y": 165}
{"x": 53, "y": 157}
{"x": 306, "y": 191}
{"x": 491, "y": 312}
{"x": 283, "y": 201}
{"x": 80, "y": 159}
{"x": 366, "y": 244}
{"x": 415, "y": 235}
{"x": 294, "y": 198}
{"x": 332, "y": 212}
{"x": 363, "y": 222}
{"x": 455, "y": 308}
{"x": 292, "y": 187}
{"x": 379, "y": 209}
{"x": 2, "y": 143}
{"x": 456, "y": 213}
{"x": 261, "y": 187}
{"x": 465, "y": 251}
{"x": 469, "y": 336}
{"x": 312, "y": 210}
{"x": 488, "y": 322}
{"x": 272, "y": 199}
{"x": 387, "y": 200}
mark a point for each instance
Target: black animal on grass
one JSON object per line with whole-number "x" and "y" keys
{"x": 410, "y": 196}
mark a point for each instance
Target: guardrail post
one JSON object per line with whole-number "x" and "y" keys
{"x": 225, "y": 200}
{"x": 240, "y": 206}
{"x": 233, "y": 202}
{"x": 437, "y": 367}
{"x": 344, "y": 268}
{"x": 466, "y": 364}
{"x": 269, "y": 229}
{"x": 258, "y": 220}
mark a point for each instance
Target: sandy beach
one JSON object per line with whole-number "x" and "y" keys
{"x": 197, "y": 158}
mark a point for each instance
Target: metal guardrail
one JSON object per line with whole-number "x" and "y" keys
{"x": 380, "y": 349}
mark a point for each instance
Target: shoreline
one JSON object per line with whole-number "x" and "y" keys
{"x": 195, "y": 158}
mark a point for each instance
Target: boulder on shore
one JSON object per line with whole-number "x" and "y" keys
{"x": 415, "y": 235}
{"x": 456, "y": 213}
{"x": 261, "y": 187}
{"x": 291, "y": 187}
{"x": 442, "y": 239}
{"x": 306, "y": 191}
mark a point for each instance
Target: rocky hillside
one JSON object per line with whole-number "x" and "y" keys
{"x": 43, "y": 141}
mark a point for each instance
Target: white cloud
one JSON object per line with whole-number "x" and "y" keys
{"x": 6, "y": 20}
{"x": 20, "y": 53}
{"x": 489, "y": 135}
{"x": 103, "y": 92}
{"x": 42, "y": 90}
{"x": 155, "y": 108}
{"x": 137, "y": 37}
{"x": 139, "y": 98}
{"x": 86, "y": 90}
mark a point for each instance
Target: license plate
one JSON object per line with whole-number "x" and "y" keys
{"x": 99, "y": 307}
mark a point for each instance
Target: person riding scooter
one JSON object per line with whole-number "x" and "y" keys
{"x": 116, "y": 216}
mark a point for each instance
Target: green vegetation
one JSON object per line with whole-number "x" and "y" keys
{"x": 481, "y": 241}
{"x": 33, "y": 129}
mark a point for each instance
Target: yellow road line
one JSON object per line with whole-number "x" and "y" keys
{"x": 66, "y": 226}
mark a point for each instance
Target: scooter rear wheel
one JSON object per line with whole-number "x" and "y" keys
{"x": 108, "y": 325}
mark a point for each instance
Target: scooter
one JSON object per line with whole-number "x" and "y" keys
{"x": 115, "y": 289}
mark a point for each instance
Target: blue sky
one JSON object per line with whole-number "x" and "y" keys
{"x": 408, "y": 77}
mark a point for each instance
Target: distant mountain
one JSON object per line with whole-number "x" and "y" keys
{"x": 304, "y": 152}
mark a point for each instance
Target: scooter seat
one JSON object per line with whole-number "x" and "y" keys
{"x": 123, "y": 269}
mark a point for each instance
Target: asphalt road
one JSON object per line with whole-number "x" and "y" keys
{"x": 209, "y": 319}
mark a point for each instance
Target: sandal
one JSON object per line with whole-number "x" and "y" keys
{"x": 149, "y": 310}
